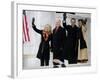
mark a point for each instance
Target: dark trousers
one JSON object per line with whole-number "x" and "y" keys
{"x": 73, "y": 61}
{"x": 58, "y": 54}
{"x": 44, "y": 62}
{"x": 60, "y": 57}
{"x": 73, "y": 58}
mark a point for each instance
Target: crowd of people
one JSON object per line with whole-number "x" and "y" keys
{"x": 62, "y": 46}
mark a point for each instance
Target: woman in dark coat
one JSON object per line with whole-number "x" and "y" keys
{"x": 83, "y": 45}
{"x": 44, "y": 48}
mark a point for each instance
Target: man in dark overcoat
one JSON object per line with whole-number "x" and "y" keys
{"x": 58, "y": 39}
{"x": 71, "y": 43}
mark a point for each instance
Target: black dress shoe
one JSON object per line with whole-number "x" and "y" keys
{"x": 63, "y": 65}
{"x": 55, "y": 66}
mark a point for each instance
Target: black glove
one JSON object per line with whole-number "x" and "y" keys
{"x": 33, "y": 20}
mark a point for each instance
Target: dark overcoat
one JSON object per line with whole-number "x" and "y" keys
{"x": 44, "y": 48}
{"x": 58, "y": 39}
{"x": 71, "y": 43}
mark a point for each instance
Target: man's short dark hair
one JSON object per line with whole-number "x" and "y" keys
{"x": 80, "y": 20}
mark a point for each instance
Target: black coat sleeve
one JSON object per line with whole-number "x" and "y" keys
{"x": 63, "y": 37}
{"x": 78, "y": 33}
{"x": 51, "y": 43}
{"x": 37, "y": 30}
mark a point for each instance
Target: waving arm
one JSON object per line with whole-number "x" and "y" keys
{"x": 34, "y": 27}
{"x": 64, "y": 22}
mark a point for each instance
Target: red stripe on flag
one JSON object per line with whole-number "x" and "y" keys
{"x": 27, "y": 30}
{"x": 24, "y": 31}
{"x": 26, "y": 36}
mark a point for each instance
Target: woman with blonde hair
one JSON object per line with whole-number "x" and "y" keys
{"x": 44, "y": 48}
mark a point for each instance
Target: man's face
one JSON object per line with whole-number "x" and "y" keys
{"x": 58, "y": 23}
{"x": 73, "y": 22}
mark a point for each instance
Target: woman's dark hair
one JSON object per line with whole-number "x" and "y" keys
{"x": 83, "y": 21}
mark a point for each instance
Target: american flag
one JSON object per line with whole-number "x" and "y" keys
{"x": 26, "y": 36}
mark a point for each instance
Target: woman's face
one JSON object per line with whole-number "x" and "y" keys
{"x": 46, "y": 29}
{"x": 80, "y": 23}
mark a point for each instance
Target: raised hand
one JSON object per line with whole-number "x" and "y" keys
{"x": 33, "y": 20}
